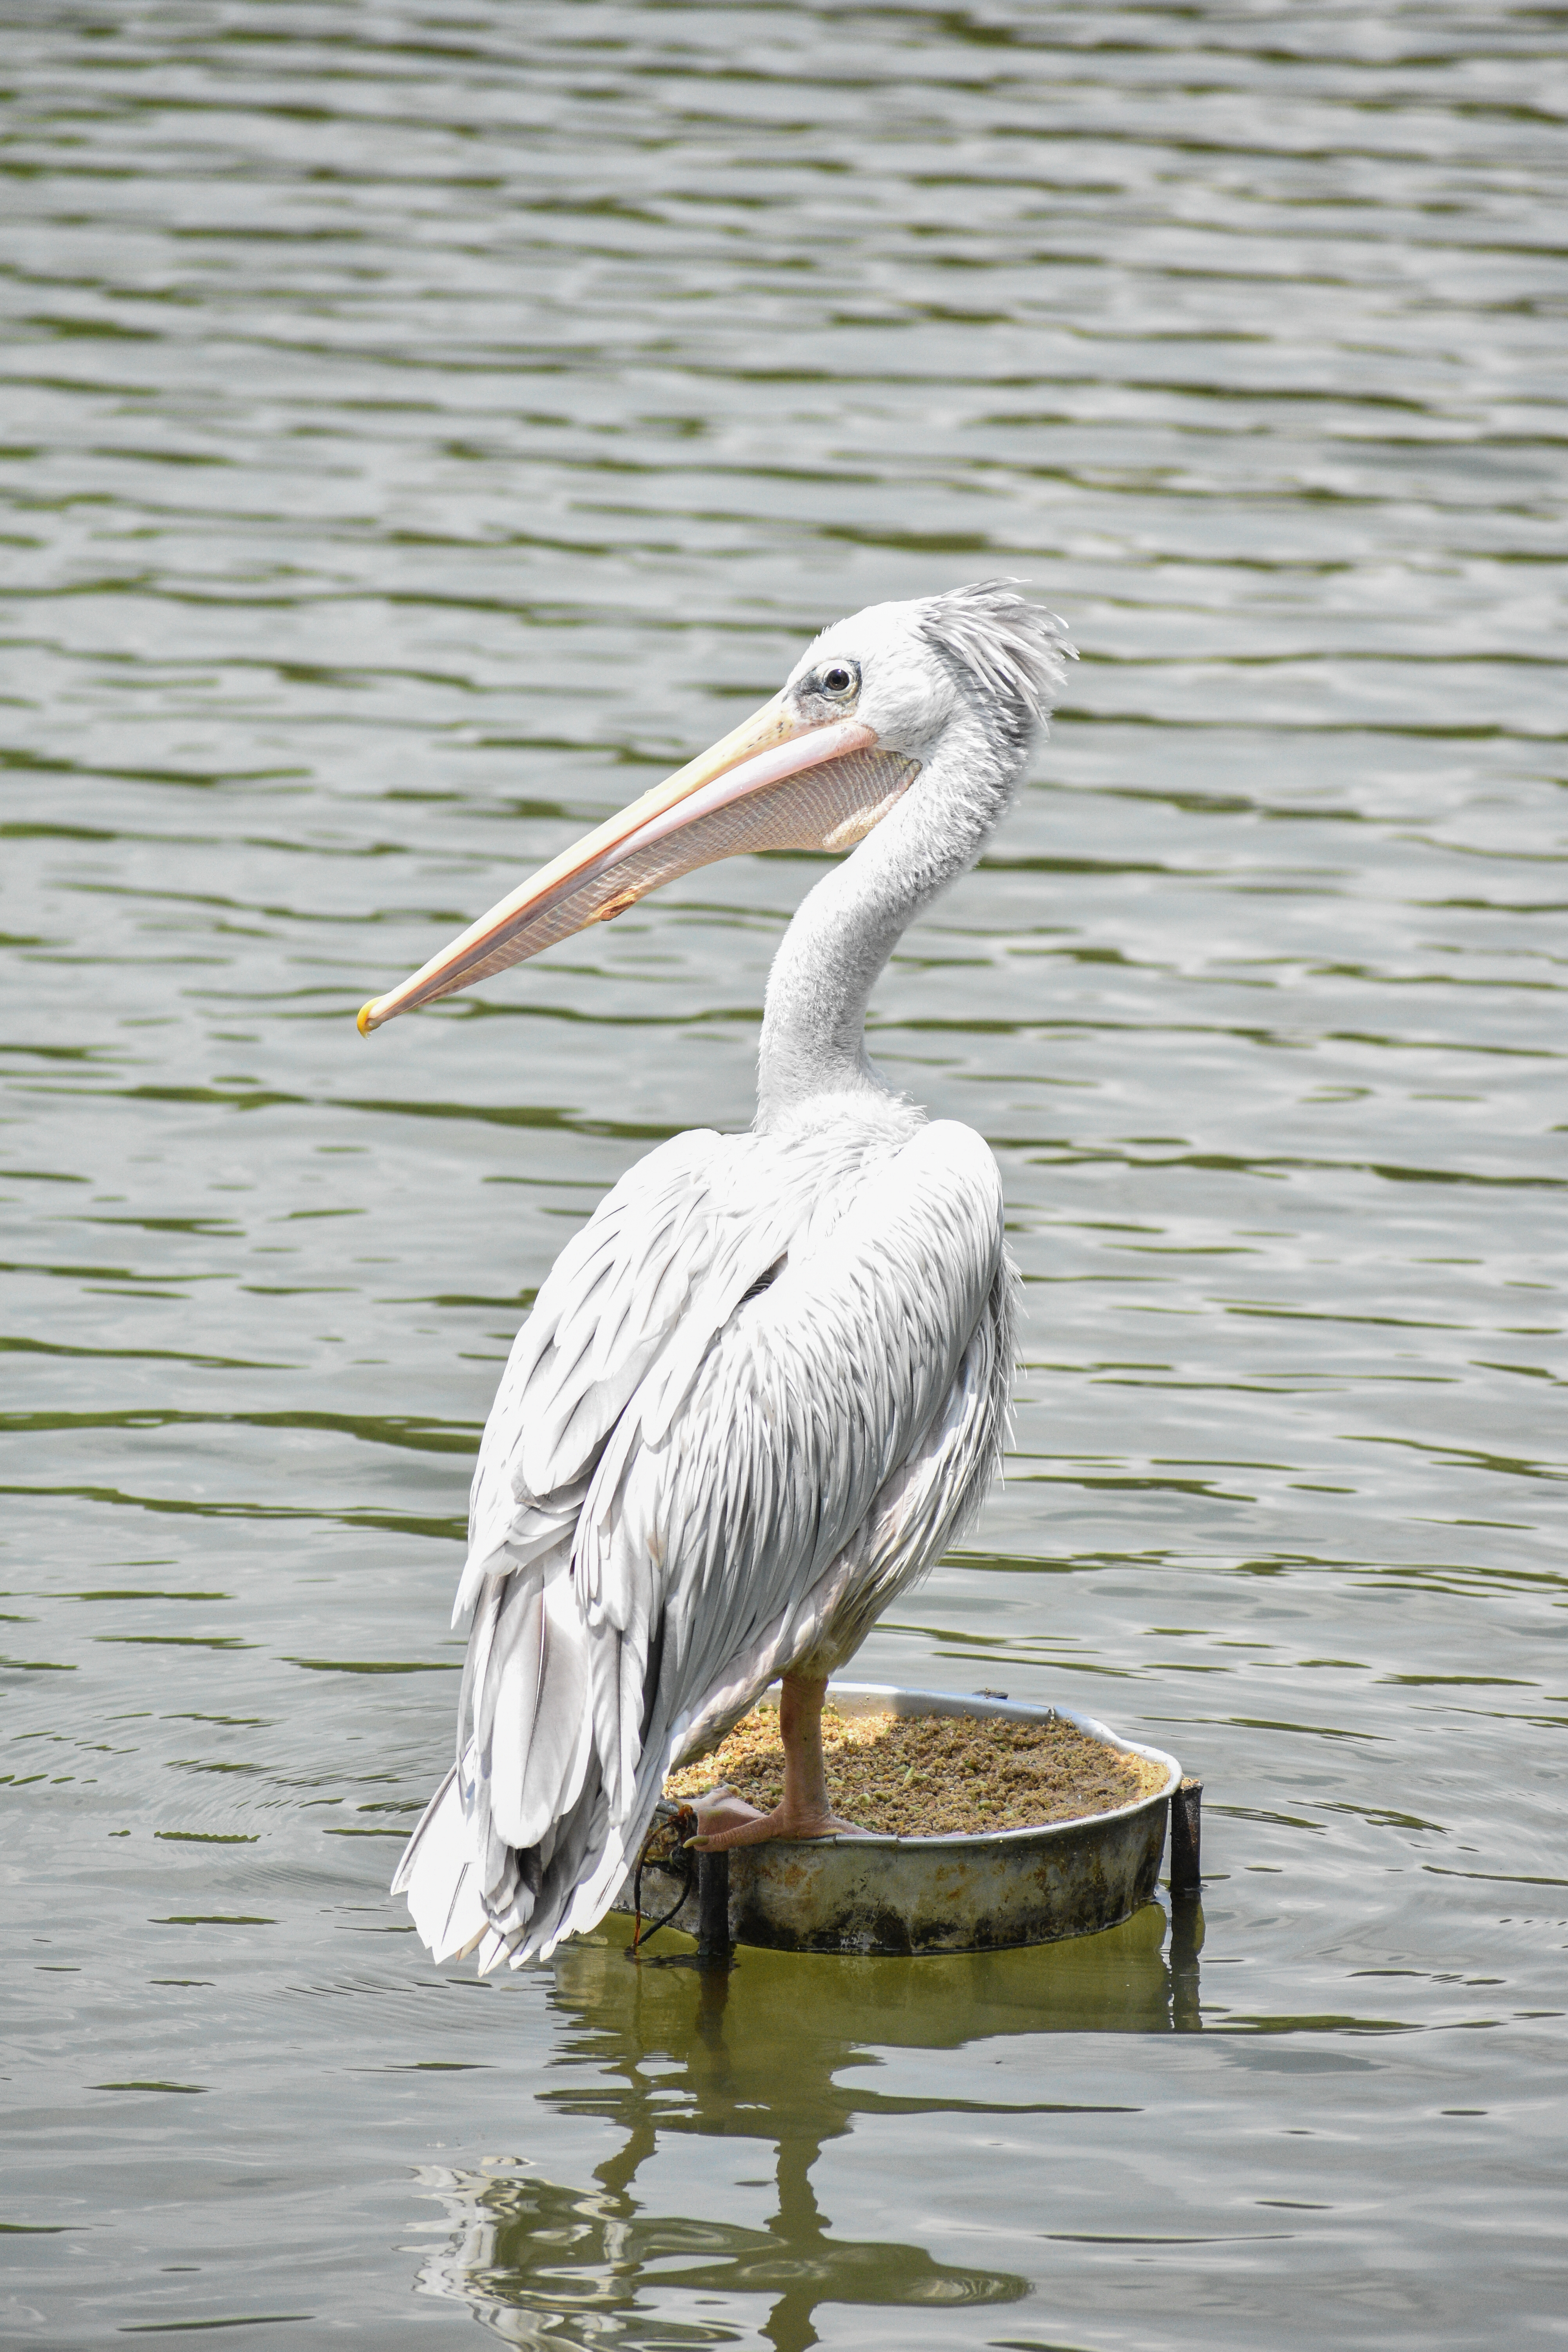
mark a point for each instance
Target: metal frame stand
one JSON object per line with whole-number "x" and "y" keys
{"x": 1186, "y": 1838}
{"x": 713, "y": 1907}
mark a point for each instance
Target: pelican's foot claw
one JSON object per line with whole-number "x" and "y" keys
{"x": 719, "y": 1810}
{"x": 724, "y": 1820}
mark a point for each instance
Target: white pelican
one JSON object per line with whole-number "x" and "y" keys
{"x": 767, "y": 1384}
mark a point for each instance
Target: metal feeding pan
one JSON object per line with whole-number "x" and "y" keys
{"x": 909, "y": 1894}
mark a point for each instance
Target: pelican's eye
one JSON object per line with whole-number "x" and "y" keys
{"x": 841, "y": 680}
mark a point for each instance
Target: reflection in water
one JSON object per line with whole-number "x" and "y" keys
{"x": 776, "y": 2048}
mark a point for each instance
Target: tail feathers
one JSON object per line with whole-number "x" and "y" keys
{"x": 439, "y": 1874}
{"x": 572, "y": 1875}
{"x": 523, "y": 1843}
{"x": 561, "y": 1888}
{"x": 469, "y": 1892}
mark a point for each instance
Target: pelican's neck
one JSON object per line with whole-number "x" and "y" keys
{"x": 814, "y": 1021}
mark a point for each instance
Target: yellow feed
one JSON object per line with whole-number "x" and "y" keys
{"x": 932, "y": 1775}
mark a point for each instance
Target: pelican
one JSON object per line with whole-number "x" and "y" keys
{"x": 767, "y": 1384}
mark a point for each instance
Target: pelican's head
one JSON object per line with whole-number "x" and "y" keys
{"x": 981, "y": 658}
{"x": 815, "y": 768}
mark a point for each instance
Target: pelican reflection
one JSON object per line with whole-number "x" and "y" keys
{"x": 768, "y": 2060}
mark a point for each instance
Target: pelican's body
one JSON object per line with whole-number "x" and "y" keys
{"x": 766, "y": 1385}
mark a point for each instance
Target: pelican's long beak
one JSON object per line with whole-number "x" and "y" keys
{"x": 774, "y": 782}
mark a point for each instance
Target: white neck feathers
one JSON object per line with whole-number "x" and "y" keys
{"x": 814, "y": 1024}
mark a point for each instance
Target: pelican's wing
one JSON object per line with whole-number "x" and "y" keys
{"x": 741, "y": 1464}
{"x": 827, "y": 1437}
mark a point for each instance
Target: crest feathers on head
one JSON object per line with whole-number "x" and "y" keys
{"x": 1003, "y": 650}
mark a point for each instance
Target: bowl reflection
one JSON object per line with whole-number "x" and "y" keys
{"x": 774, "y": 2056}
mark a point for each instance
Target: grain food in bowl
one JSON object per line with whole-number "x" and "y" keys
{"x": 933, "y": 1775}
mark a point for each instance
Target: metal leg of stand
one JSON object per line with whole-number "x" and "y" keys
{"x": 713, "y": 1906}
{"x": 1186, "y": 1839}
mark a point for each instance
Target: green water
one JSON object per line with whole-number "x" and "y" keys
{"x": 422, "y": 426}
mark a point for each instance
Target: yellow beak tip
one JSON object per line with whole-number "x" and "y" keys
{"x": 362, "y": 1020}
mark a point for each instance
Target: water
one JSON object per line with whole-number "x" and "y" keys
{"x": 425, "y": 425}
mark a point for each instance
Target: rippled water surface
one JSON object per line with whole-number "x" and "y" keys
{"x": 425, "y": 424}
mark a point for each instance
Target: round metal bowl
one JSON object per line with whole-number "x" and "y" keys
{"x": 904, "y": 1896}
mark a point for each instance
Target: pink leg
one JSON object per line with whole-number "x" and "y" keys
{"x": 724, "y": 1820}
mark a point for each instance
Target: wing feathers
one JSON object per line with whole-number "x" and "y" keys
{"x": 799, "y": 1411}
{"x": 692, "y": 1478}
